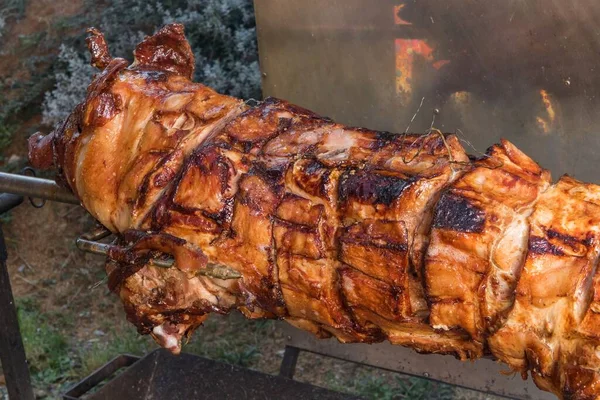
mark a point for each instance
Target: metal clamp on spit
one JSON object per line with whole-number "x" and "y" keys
{"x": 89, "y": 242}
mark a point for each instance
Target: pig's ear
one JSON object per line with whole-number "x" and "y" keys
{"x": 98, "y": 49}
{"x": 166, "y": 50}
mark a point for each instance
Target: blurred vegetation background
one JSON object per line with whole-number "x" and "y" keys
{"x": 44, "y": 63}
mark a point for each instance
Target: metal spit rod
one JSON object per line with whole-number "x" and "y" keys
{"x": 212, "y": 270}
{"x": 93, "y": 247}
{"x": 35, "y": 187}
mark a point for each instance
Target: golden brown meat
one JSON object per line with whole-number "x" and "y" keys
{"x": 479, "y": 241}
{"x": 347, "y": 232}
{"x": 550, "y": 329}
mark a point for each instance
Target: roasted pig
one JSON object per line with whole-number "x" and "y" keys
{"x": 366, "y": 236}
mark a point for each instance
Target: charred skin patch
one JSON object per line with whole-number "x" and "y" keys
{"x": 313, "y": 166}
{"x": 382, "y": 139}
{"x": 540, "y": 245}
{"x": 312, "y": 177}
{"x": 459, "y": 214}
{"x": 273, "y": 176}
{"x": 370, "y": 187}
{"x": 570, "y": 240}
{"x": 154, "y": 76}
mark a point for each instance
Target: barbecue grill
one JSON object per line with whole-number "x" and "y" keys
{"x": 525, "y": 71}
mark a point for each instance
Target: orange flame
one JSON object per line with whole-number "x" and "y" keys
{"x": 461, "y": 97}
{"x": 398, "y": 20}
{"x": 546, "y": 123}
{"x": 543, "y": 124}
{"x": 406, "y": 51}
{"x": 440, "y": 63}
{"x": 548, "y": 104}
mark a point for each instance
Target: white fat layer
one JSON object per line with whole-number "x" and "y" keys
{"x": 479, "y": 179}
{"x": 169, "y": 341}
{"x": 204, "y": 294}
{"x": 338, "y": 139}
{"x": 441, "y": 327}
{"x": 175, "y": 102}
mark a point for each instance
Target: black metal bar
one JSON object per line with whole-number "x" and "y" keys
{"x": 35, "y": 187}
{"x": 288, "y": 364}
{"x": 99, "y": 375}
{"x": 9, "y": 201}
{"x": 12, "y": 352}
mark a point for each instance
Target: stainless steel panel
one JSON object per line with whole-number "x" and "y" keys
{"x": 484, "y": 375}
{"x": 524, "y": 70}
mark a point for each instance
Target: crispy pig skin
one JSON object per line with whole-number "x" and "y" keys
{"x": 479, "y": 241}
{"x": 551, "y": 329}
{"x": 344, "y": 232}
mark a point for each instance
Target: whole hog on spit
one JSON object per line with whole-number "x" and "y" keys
{"x": 347, "y": 232}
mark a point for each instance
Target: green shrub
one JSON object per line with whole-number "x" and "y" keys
{"x": 221, "y": 33}
{"x": 54, "y": 71}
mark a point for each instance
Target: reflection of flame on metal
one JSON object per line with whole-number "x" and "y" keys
{"x": 405, "y": 57}
{"x": 461, "y": 97}
{"x": 440, "y": 63}
{"x": 548, "y": 105}
{"x": 546, "y": 123}
{"x": 398, "y": 20}
{"x": 406, "y": 51}
{"x": 460, "y": 103}
{"x": 543, "y": 124}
